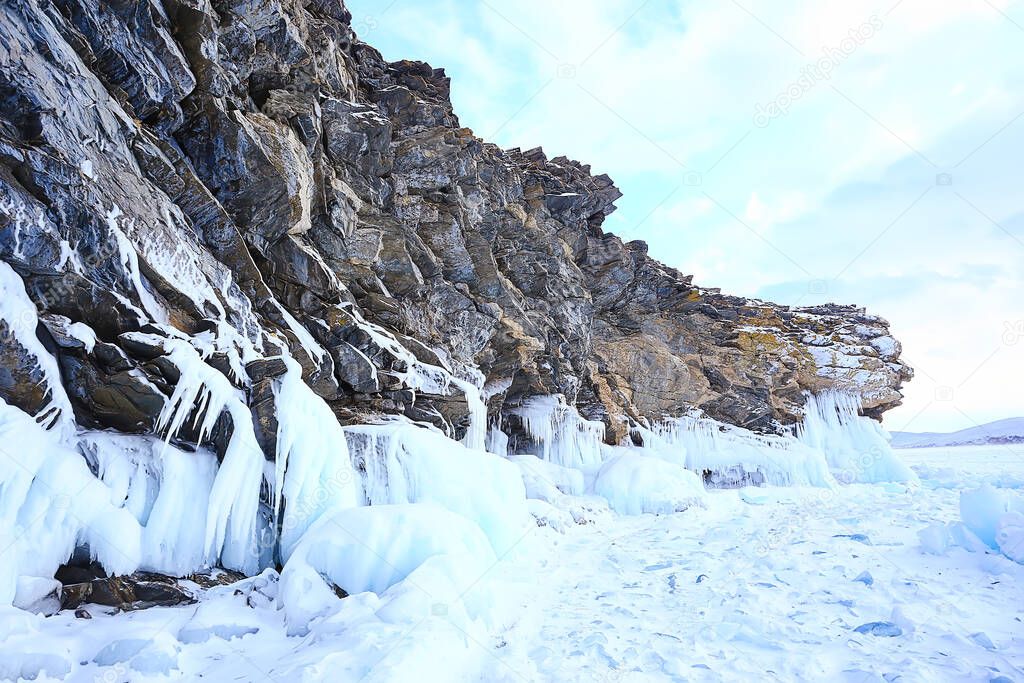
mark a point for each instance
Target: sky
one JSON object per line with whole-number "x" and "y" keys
{"x": 799, "y": 151}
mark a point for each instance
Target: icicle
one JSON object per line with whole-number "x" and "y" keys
{"x": 166, "y": 489}
{"x": 306, "y": 341}
{"x": 476, "y": 435}
{"x": 497, "y": 441}
{"x": 314, "y": 470}
{"x": 20, "y": 317}
{"x": 50, "y": 503}
{"x": 834, "y": 442}
{"x": 563, "y": 436}
{"x": 404, "y": 463}
{"x": 732, "y": 456}
{"x": 857, "y": 448}
{"x": 234, "y": 500}
{"x": 130, "y": 262}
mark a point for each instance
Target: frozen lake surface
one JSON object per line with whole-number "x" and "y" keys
{"x": 773, "y": 584}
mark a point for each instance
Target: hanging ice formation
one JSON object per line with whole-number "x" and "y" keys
{"x": 732, "y": 455}
{"x": 856, "y": 447}
{"x": 834, "y": 442}
{"x": 561, "y": 434}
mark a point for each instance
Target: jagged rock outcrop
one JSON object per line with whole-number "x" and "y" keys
{"x": 248, "y": 175}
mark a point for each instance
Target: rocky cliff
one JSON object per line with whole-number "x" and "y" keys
{"x": 249, "y": 178}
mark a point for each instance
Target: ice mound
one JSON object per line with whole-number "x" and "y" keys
{"x": 634, "y": 483}
{"x": 373, "y": 548}
{"x": 404, "y": 463}
{"x": 996, "y": 517}
{"x": 983, "y": 508}
{"x": 1010, "y": 536}
{"x": 545, "y": 480}
{"x": 992, "y": 520}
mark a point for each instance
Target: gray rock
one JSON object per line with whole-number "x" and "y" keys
{"x": 354, "y": 369}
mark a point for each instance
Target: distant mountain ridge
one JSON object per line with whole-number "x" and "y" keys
{"x": 1010, "y": 430}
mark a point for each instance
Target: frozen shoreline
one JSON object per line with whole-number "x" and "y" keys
{"x": 762, "y": 579}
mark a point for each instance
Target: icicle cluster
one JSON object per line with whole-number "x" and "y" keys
{"x": 857, "y": 448}
{"x": 561, "y": 433}
{"x": 730, "y": 455}
{"x": 833, "y": 443}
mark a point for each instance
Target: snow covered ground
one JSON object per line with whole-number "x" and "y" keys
{"x": 773, "y": 584}
{"x": 761, "y": 584}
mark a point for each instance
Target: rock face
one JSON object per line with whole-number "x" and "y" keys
{"x": 249, "y": 176}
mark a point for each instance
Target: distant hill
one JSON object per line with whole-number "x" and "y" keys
{"x": 1010, "y": 430}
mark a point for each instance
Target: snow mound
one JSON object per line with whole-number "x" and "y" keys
{"x": 546, "y": 480}
{"x": 634, "y": 483}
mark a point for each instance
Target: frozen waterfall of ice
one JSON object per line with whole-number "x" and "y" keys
{"x": 856, "y": 447}
{"x": 563, "y": 435}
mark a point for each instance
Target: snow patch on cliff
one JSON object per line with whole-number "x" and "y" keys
{"x": 19, "y": 317}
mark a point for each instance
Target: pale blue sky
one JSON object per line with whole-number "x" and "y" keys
{"x": 893, "y": 179}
